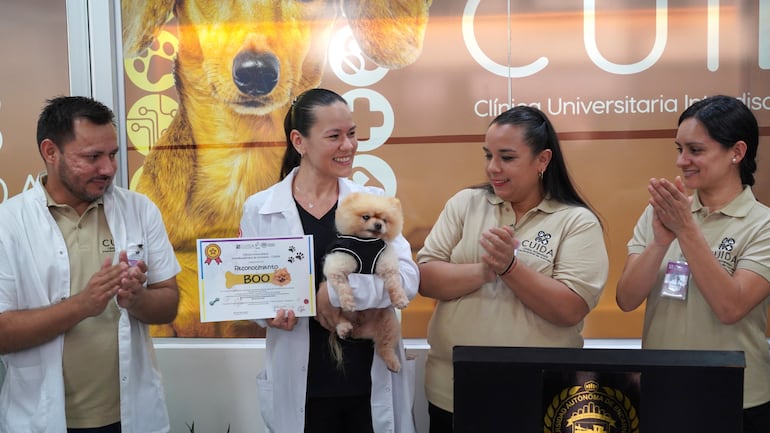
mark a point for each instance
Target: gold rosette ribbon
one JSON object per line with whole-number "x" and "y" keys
{"x": 213, "y": 251}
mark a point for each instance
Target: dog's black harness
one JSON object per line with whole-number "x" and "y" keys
{"x": 365, "y": 251}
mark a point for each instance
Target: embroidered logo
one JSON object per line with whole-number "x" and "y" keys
{"x": 539, "y": 246}
{"x": 727, "y": 253}
{"x": 727, "y": 244}
{"x": 542, "y": 237}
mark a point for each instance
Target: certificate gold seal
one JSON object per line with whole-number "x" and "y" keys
{"x": 213, "y": 251}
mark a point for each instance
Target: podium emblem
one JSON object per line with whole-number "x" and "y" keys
{"x": 591, "y": 408}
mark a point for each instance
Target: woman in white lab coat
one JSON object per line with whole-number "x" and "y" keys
{"x": 301, "y": 389}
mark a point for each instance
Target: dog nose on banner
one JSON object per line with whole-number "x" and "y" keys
{"x": 255, "y": 73}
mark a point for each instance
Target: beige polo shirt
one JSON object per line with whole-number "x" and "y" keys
{"x": 739, "y": 237}
{"x": 562, "y": 241}
{"x": 90, "y": 358}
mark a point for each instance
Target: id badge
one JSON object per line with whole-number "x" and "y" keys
{"x": 135, "y": 253}
{"x": 675, "y": 281}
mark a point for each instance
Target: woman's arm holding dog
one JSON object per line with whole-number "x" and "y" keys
{"x": 369, "y": 290}
{"x": 327, "y": 314}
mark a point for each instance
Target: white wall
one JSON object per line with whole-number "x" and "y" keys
{"x": 212, "y": 382}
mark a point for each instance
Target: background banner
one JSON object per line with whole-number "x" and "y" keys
{"x": 34, "y": 67}
{"x": 206, "y": 91}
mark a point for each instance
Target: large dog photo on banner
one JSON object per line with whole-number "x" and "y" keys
{"x": 236, "y": 70}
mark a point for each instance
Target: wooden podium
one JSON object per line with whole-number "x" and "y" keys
{"x": 558, "y": 390}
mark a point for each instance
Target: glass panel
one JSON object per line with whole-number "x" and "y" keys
{"x": 204, "y": 133}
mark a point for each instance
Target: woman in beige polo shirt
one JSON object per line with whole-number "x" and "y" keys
{"x": 519, "y": 261}
{"x": 702, "y": 262}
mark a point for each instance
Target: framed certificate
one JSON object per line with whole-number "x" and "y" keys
{"x": 252, "y": 278}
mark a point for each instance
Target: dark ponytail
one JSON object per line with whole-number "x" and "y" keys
{"x": 301, "y": 116}
{"x": 728, "y": 121}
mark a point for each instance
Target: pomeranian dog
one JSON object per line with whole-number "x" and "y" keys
{"x": 366, "y": 223}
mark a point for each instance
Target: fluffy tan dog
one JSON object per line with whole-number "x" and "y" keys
{"x": 366, "y": 223}
{"x": 239, "y": 65}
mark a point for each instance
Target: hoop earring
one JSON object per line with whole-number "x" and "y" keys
{"x": 540, "y": 174}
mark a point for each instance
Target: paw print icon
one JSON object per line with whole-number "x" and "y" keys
{"x": 295, "y": 255}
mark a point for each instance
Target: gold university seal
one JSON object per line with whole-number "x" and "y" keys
{"x": 591, "y": 408}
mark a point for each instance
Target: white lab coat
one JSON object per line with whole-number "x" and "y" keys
{"x": 34, "y": 273}
{"x": 282, "y": 383}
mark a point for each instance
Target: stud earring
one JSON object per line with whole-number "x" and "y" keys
{"x": 734, "y": 160}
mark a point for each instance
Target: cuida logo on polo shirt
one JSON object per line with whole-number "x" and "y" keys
{"x": 107, "y": 246}
{"x": 539, "y": 246}
{"x": 725, "y": 254}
